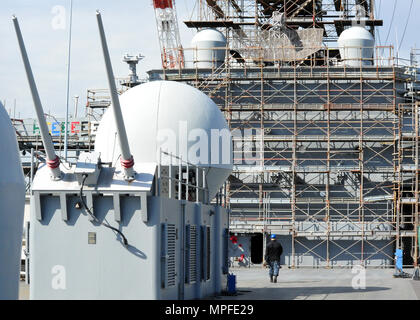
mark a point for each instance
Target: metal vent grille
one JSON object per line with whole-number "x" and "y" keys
{"x": 164, "y": 183}
{"x": 171, "y": 267}
{"x": 193, "y": 254}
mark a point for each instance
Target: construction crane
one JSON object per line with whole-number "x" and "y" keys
{"x": 172, "y": 53}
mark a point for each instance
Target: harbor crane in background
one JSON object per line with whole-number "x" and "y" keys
{"x": 172, "y": 54}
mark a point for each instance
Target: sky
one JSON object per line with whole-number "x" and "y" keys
{"x": 130, "y": 27}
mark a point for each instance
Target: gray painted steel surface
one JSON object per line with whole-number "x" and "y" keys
{"x": 46, "y": 138}
{"x": 73, "y": 258}
{"x": 12, "y": 202}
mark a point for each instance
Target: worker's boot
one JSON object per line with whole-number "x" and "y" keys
{"x": 271, "y": 278}
{"x": 275, "y": 279}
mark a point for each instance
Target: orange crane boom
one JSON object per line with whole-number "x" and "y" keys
{"x": 172, "y": 54}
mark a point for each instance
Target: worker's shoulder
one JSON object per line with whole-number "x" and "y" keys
{"x": 277, "y": 244}
{"x": 273, "y": 244}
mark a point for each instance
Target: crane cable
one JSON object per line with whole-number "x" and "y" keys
{"x": 406, "y": 24}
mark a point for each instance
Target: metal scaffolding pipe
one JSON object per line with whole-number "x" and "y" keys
{"x": 127, "y": 161}
{"x": 53, "y": 162}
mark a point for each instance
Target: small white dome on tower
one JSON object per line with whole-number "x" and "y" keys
{"x": 175, "y": 117}
{"x": 209, "y": 46}
{"x": 356, "y": 46}
{"x": 209, "y": 35}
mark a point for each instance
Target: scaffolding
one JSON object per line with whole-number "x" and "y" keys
{"x": 245, "y": 18}
{"x": 325, "y": 155}
{"x": 319, "y": 154}
{"x": 407, "y": 180}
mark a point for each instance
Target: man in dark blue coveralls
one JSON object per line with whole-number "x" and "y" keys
{"x": 273, "y": 252}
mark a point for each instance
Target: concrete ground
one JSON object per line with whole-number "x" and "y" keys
{"x": 314, "y": 284}
{"x": 323, "y": 284}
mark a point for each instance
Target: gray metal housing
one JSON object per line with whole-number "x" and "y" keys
{"x": 176, "y": 249}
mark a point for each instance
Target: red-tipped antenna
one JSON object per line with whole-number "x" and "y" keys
{"x": 53, "y": 162}
{"x": 127, "y": 161}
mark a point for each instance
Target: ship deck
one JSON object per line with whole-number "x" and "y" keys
{"x": 313, "y": 284}
{"x": 322, "y": 284}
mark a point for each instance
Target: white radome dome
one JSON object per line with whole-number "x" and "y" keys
{"x": 209, "y": 35}
{"x": 157, "y": 110}
{"x": 356, "y": 46}
{"x": 12, "y": 204}
{"x": 356, "y": 32}
{"x": 209, "y": 48}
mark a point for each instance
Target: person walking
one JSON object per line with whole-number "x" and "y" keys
{"x": 273, "y": 252}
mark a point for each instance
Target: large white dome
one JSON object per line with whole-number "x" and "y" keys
{"x": 175, "y": 117}
{"x": 12, "y": 203}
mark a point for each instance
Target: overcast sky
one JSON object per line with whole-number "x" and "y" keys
{"x": 130, "y": 28}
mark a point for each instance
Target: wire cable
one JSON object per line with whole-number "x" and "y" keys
{"x": 125, "y": 242}
{"x": 378, "y": 15}
{"x": 406, "y": 24}
{"x": 392, "y": 19}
